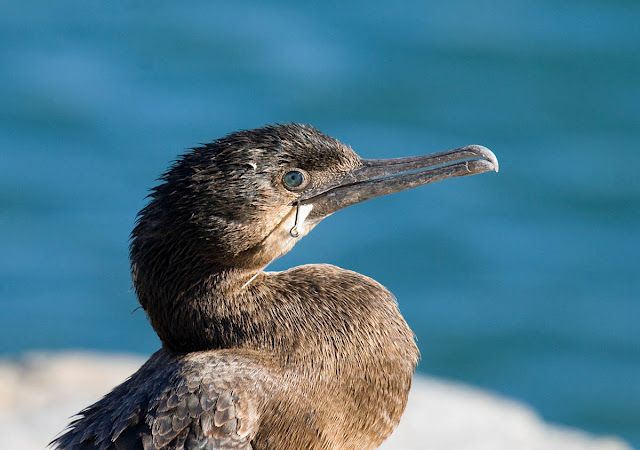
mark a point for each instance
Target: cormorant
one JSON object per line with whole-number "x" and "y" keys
{"x": 314, "y": 357}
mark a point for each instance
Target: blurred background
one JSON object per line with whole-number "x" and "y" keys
{"x": 526, "y": 282}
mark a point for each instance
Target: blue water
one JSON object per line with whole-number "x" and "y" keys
{"x": 526, "y": 282}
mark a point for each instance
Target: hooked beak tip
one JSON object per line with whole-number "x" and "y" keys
{"x": 485, "y": 153}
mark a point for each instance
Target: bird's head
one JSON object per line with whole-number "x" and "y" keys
{"x": 234, "y": 202}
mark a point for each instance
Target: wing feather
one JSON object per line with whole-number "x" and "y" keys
{"x": 176, "y": 401}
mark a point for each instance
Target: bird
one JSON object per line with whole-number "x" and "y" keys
{"x": 313, "y": 357}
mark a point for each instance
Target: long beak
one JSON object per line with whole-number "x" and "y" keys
{"x": 377, "y": 177}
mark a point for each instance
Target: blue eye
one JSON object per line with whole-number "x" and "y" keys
{"x": 293, "y": 179}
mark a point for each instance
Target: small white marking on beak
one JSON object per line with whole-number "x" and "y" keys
{"x": 305, "y": 210}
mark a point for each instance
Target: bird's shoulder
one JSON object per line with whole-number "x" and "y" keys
{"x": 209, "y": 399}
{"x": 329, "y": 279}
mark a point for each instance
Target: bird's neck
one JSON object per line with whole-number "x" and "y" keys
{"x": 190, "y": 306}
{"x": 305, "y": 313}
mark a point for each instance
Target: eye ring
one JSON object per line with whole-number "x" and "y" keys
{"x": 295, "y": 179}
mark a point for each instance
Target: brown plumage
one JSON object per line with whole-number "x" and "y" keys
{"x": 315, "y": 357}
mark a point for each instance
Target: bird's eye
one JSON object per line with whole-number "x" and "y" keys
{"x": 294, "y": 179}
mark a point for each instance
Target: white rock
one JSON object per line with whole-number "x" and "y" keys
{"x": 444, "y": 415}
{"x": 40, "y": 392}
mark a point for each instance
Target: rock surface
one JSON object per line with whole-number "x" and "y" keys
{"x": 40, "y": 392}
